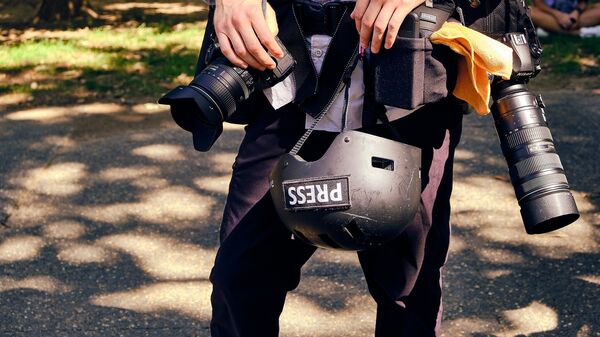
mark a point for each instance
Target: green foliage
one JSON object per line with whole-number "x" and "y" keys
{"x": 142, "y": 62}
{"x": 51, "y": 52}
{"x": 102, "y": 62}
{"x": 571, "y": 55}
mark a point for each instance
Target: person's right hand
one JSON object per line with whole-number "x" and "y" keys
{"x": 244, "y": 33}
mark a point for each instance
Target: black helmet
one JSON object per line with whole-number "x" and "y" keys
{"x": 362, "y": 192}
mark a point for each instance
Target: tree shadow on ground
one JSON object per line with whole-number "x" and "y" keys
{"x": 116, "y": 223}
{"x": 503, "y": 282}
{"x": 113, "y": 221}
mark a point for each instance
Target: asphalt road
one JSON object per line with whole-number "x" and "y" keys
{"x": 109, "y": 225}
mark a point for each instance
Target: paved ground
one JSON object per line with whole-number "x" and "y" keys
{"x": 108, "y": 227}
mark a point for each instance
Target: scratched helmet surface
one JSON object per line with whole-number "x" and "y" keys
{"x": 362, "y": 192}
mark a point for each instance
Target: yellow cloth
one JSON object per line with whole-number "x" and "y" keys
{"x": 482, "y": 54}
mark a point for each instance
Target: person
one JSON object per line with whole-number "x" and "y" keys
{"x": 572, "y": 17}
{"x": 258, "y": 260}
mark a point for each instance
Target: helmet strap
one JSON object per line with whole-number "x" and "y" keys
{"x": 381, "y": 114}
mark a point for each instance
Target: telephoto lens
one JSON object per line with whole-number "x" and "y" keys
{"x": 536, "y": 171}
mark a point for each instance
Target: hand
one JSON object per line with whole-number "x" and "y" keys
{"x": 374, "y": 17}
{"x": 564, "y": 21}
{"x": 244, "y": 33}
{"x": 574, "y": 17}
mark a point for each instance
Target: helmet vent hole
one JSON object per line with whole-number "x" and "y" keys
{"x": 382, "y": 163}
{"x": 328, "y": 241}
{"x": 355, "y": 232}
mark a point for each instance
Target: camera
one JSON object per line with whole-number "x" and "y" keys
{"x": 214, "y": 94}
{"x": 536, "y": 172}
{"x": 535, "y": 169}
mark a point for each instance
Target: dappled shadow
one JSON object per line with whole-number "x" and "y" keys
{"x": 501, "y": 281}
{"x": 128, "y": 77}
{"x": 127, "y": 60}
{"x": 109, "y": 219}
{"x": 113, "y": 220}
{"x": 114, "y": 228}
{"x": 119, "y": 225}
{"x": 111, "y": 223}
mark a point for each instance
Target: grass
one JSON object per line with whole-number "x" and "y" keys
{"x": 140, "y": 62}
{"x": 63, "y": 53}
{"x": 109, "y": 63}
{"x": 570, "y": 55}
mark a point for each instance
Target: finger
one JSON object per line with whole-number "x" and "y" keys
{"x": 228, "y": 52}
{"x": 381, "y": 24}
{"x": 367, "y": 22}
{"x": 266, "y": 37}
{"x": 357, "y": 14}
{"x": 358, "y": 24}
{"x": 393, "y": 28}
{"x": 239, "y": 47}
{"x": 255, "y": 49}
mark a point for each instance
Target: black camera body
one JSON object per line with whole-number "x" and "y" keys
{"x": 259, "y": 79}
{"x": 213, "y": 95}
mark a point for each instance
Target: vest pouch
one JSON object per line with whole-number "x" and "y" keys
{"x": 410, "y": 74}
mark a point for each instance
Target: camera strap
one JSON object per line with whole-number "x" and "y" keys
{"x": 346, "y": 79}
{"x": 394, "y": 134}
{"x": 306, "y": 134}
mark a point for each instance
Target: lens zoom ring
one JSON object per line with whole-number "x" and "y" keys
{"x": 545, "y": 181}
{"x": 538, "y": 163}
{"x": 220, "y": 93}
{"x": 527, "y": 135}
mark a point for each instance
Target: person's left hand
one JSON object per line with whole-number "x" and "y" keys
{"x": 374, "y": 17}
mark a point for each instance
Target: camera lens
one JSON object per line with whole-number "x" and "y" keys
{"x": 222, "y": 86}
{"x": 535, "y": 168}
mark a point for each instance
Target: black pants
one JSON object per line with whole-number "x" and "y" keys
{"x": 258, "y": 262}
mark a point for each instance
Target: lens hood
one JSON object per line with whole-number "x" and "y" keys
{"x": 189, "y": 110}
